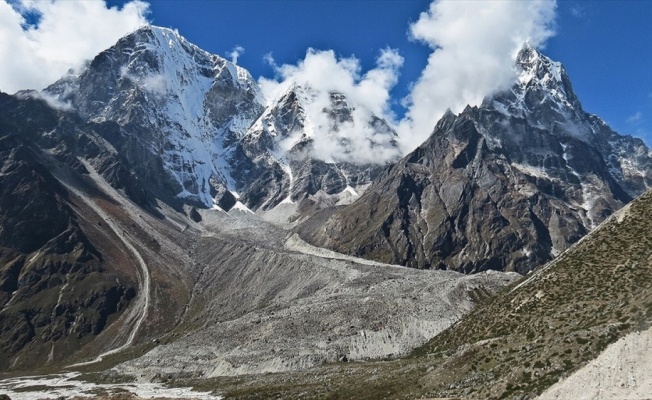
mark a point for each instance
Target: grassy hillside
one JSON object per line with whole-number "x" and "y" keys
{"x": 556, "y": 320}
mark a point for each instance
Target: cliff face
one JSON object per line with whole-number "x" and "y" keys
{"x": 507, "y": 185}
{"x": 182, "y": 112}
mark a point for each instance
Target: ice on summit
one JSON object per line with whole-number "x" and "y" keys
{"x": 198, "y": 103}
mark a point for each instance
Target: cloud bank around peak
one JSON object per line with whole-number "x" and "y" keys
{"x": 322, "y": 73}
{"x": 66, "y": 35}
{"x": 474, "y": 45}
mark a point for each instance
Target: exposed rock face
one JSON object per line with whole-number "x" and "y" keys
{"x": 57, "y": 289}
{"x": 194, "y": 126}
{"x": 504, "y": 186}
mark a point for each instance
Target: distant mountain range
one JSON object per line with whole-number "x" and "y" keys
{"x": 526, "y": 175}
{"x": 199, "y": 131}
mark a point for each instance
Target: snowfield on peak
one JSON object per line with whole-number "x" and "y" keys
{"x": 179, "y": 104}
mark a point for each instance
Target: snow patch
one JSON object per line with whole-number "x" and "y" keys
{"x": 241, "y": 207}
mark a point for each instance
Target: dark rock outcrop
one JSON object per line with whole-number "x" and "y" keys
{"x": 55, "y": 284}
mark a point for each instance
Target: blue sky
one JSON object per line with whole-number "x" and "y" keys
{"x": 606, "y": 46}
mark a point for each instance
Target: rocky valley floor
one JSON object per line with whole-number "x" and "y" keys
{"x": 262, "y": 314}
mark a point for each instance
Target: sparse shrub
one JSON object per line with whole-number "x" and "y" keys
{"x": 580, "y": 340}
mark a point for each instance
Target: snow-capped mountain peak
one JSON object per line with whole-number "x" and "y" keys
{"x": 534, "y": 65}
{"x": 541, "y": 125}
{"x": 199, "y": 127}
{"x": 542, "y": 93}
{"x": 182, "y": 108}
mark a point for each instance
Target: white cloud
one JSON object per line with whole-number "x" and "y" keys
{"x": 635, "y": 118}
{"x": 236, "y": 53}
{"x": 474, "y": 45}
{"x": 269, "y": 60}
{"x": 155, "y": 84}
{"x": 68, "y": 33}
{"x": 367, "y": 93}
{"x": 52, "y": 101}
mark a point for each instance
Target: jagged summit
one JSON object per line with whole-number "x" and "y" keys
{"x": 165, "y": 40}
{"x": 507, "y": 185}
{"x": 182, "y": 110}
{"x": 540, "y": 83}
{"x": 542, "y": 97}
{"x": 533, "y": 64}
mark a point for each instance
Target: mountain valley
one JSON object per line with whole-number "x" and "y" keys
{"x": 163, "y": 222}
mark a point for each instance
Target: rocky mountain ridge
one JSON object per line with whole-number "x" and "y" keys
{"x": 201, "y": 130}
{"x": 507, "y": 185}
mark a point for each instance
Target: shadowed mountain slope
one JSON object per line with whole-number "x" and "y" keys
{"x": 507, "y": 185}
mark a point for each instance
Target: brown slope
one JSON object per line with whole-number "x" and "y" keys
{"x": 556, "y": 320}
{"x": 56, "y": 288}
{"x": 66, "y": 276}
